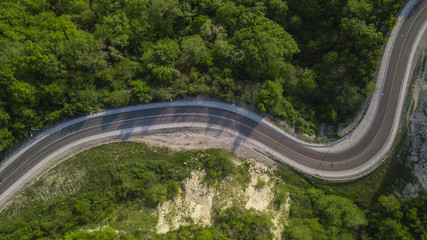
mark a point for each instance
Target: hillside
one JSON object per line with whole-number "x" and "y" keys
{"x": 307, "y": 62}
{"x": 130, "y": 190}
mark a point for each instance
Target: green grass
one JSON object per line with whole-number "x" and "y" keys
{"x": 115, "y": 188}
{"x": 117, "y": 185}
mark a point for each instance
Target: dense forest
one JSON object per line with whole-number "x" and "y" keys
{"x": 123, "y": 183}
{"x": 306, "y": 61}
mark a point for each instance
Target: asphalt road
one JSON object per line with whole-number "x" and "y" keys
{"x": 362, "y": 151}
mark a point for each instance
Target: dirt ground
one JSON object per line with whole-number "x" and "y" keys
{"x": 181, "y": 141}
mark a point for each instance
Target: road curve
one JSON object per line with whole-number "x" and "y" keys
{"x": 343, "y": 160}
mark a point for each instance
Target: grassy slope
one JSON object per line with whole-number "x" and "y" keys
{"x": 84, "y": 174}
{"x": 70, "y": 180}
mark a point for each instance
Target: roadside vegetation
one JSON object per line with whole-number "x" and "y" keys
{"x": 306, "y": 61}
{"x": 391, "y": 175}
{"x": 112, "y": 192}
{"x": 117, "y": 183}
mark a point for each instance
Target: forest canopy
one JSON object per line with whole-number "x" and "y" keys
{"x": 306, "y": 61}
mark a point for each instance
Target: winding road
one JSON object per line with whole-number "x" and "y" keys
{"x": 350, "y": 158}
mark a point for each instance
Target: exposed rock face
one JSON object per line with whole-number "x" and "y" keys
{"x": 416, "y": 143}
{"x": 197, "y": 201}
{"x": 414, "y": 148}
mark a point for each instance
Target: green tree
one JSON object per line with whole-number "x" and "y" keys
{"x": 166, "y": 52}
{"x": 306, "y": 83}
{"x": 366, "y": 36}
{"x": 278, "y": 11}
{"x": 266, "y": 47}
{"x": 204, "y": 234}
{"x": 340, "y": 212}
{"x": 210, "y": 32}
{"x": 245, "y": 225}
{"x": 224, "y": 53}
{"x": 82, "y": 13}
{"x": 193, "y": 51}
{"x": 82, "y": 52}
{"x": 114, "y": 29}
{"x": 63, "y": 57}
{"x": 360, "y": 9}
{"x": 305, "y": 229}
{"x": 348, "y": 100}
{"x": 104, "y": 234}
{"x": 228, "y": 15}
{"x": 6, "y": 139}
{"x": 392, "y": 229}
{"x": 164, "y": 75}
{"x": 390, "y": 206}
{"x": 269, "y": 96}
{"x": 83, "y": 210}
{"x": 162, "y": 16}
{"x": 21, "y": 94}
{"x": 118, "y": 98}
